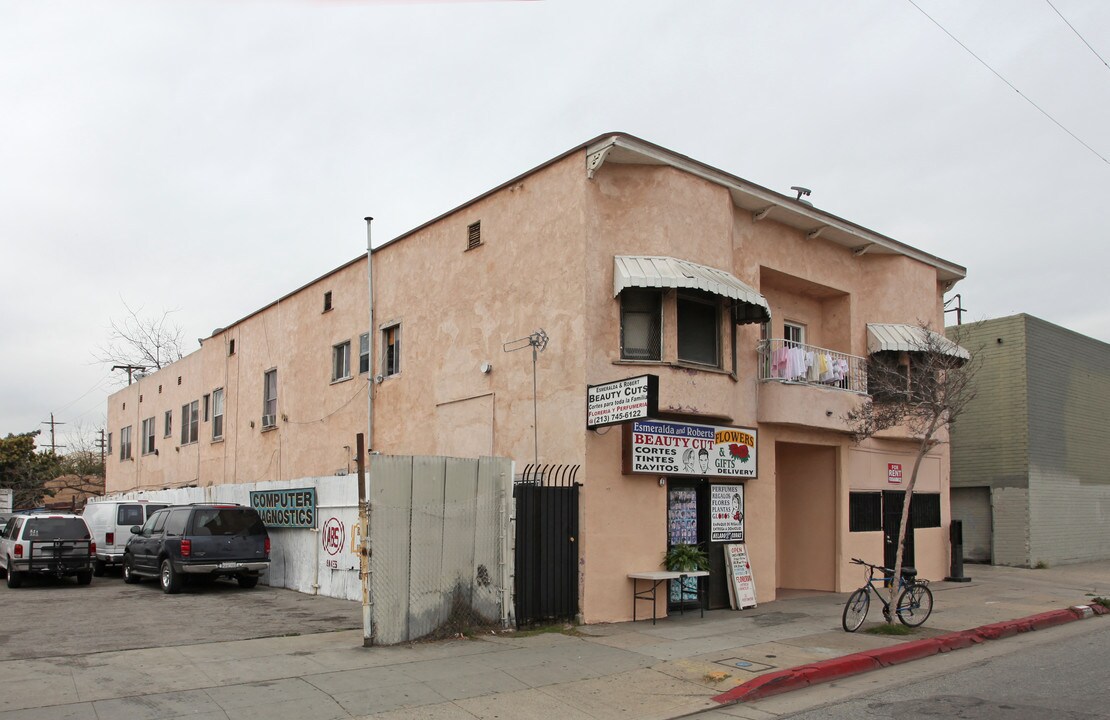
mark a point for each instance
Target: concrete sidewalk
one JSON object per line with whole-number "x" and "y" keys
{"x": 598, "y": 671}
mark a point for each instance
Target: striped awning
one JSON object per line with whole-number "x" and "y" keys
{"x": 657, "y": 271}
{"x": 896, "y": 337}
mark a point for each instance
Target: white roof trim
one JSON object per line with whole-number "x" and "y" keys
{"x": 658, "y": 271}
{"x": 897, "y": 337}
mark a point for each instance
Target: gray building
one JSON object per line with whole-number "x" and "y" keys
{"x": 1030, "y": 455}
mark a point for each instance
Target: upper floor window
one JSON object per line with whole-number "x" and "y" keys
{"x": 327, "y": 301}
{"x": 641, "y": 325}
{"x": 391, "y": 350}
{"x": 190, "y": 422}
{"x": 207, "y": 400}
{"x": 794, "y": 334}
{"x": 109, "y": 448}
{"x": 125, "y": 443}
{"x": 148, "y": 436}
{"x": 364, "y": 353}
{"x": 217, "y": 413}
{"x": 269, "y": 398}
{"x": 341, "y": 361}
{"x": 168, "y": 423}
{"x": 699, "y": 329}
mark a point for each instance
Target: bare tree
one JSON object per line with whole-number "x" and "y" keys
{"x": 923, "y": 390}
{"x": 140, "y": 340}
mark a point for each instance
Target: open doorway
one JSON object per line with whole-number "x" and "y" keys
{"x": 805, "y": 515}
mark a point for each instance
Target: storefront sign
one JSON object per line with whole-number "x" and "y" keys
{"x": 741, "y": 585}
{"x": 616, "y": 402}
{"x": 294, "y": 508}
{"x": 726, "y": 513}
{"x": 894, "y": 473}
{"x": 661, "y": 447}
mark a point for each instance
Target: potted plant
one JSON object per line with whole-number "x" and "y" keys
{"x": 685, "y": 558}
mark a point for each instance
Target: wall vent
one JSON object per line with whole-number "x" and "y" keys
{"x": 473, "y": 235}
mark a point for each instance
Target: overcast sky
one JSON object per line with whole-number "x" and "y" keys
{"x": 208, "y": 157}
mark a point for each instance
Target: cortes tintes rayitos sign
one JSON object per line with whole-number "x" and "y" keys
{"x": 633, "y": 398}
{"x": 661, "y": 447}
{"x": 293, "y": 508}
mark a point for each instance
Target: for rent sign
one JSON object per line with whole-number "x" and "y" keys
{"x": 660, "y": 447}
{"x": 616, "y": 402}
{"x": 293, "y": 508}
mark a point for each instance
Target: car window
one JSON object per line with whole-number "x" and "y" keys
{"x": 227, "y": 521}
{"x": 55, "y": 528}
{"x": 151, "y": 509}
{"x": 16, "y": 527}
{"x": 160, "y": 520}
{"x": 129, "y": 515}
{"x": 175, "y": 525}
{"x": 149, "y": 527}
{"x": 8, "y": 529}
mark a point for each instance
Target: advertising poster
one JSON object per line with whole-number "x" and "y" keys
{"x": 293, "y": 508}
{"x": 662, "y": 447}
{"x": 682, "y": 529}
{"x": 616, "y": 402}
{"x": 741, "y": 586}
{"x": 726, "y": 513}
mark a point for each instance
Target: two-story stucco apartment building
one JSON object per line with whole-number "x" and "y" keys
{"x": 754, "y": 310}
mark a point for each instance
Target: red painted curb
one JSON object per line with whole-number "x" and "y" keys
{"x": 803, "y": 676}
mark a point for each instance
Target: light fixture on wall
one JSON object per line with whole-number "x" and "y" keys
{"x": 486, "y": 368}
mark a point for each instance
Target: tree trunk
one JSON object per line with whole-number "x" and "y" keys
{"x": 926, "y": 445}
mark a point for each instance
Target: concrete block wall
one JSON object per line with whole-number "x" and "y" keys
{"x": 1010, "y": 509}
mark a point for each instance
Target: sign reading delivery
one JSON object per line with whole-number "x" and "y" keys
{"x": 662, "y": 447}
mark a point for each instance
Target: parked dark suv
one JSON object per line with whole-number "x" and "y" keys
{"x": 208, "y": 540}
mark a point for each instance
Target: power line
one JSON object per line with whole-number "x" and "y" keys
{"x": 1077, "y": 33}
{"x": 1099, "y": 155}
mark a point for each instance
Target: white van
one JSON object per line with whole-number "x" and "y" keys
{"x": 111, "y": 522}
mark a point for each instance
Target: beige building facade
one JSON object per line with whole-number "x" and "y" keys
{"x": 750, "y": 307}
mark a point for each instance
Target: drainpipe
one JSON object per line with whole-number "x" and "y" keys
{"x": 370, "y": 339}
{"x": 362, "y": 449}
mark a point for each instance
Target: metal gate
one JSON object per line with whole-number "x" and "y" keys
{"x": 546, "y": 583}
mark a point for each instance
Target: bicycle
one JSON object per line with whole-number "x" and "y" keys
{"x": 915, "y": 599}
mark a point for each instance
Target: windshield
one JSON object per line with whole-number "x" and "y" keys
{"x": 227, "y": 521}
{"x": 51, "y": 528}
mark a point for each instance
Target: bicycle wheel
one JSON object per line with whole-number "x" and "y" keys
{"x": 855, "y": 610}
{"x": 915, "y": 604}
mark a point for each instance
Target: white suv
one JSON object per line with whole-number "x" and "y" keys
{"x": 58, "y": 544}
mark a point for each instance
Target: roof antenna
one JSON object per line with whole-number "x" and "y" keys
{"x": 802, "y": 192}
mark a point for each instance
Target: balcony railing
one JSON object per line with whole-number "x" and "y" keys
{"x": 790, "y": 362}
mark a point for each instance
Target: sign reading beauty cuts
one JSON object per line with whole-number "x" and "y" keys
{"x": 661, "y": 447}
{"x": 633, "y": 398}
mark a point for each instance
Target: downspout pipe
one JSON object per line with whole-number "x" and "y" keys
{"x": 363, "y": 449}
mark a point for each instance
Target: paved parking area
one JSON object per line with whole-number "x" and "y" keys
{"x": 48, "y": 617}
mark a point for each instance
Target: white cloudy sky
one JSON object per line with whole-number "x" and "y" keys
{"x": 206, "y": 157}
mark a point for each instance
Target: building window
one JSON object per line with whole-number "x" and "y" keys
{"x": 207, "y": 400}
{"x": 217, "y": 413}
{"x": 148, "y": 436}
{"x": 473, "y": 235}
{"x": 109, "y": 449}
{"x": 698, "y": 330}
{"x": 641, "y": 325}
{"x": 190, "y": 416}
{"x": 269, "y": 399}
{"x": 391, "y": 350}
{"x": 794, "y": 334}
{"x": 231, "y": 347}
{"x": 364, "y": 353}
{"x": 168, "y": 423}
{"x": 341, "y": 361}
{"x": 925, "y": 510}
{"x": 865, "y": 511}
{"x": 327, "y": 301}
{"x": 125, "y": 443}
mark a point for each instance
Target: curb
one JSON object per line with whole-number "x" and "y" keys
{"x": 802, "y": 676}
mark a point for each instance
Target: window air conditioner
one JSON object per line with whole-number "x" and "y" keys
{"x": 269, "y": 420}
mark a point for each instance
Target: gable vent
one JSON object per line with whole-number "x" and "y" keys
{"x": 474, "y": 235}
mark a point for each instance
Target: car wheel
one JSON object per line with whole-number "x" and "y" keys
{"x": 15, "y": 579}
{"x": 171, "y": 579}
{"x": 247, "y": 581}
{"x": 98, "y": 568}
{"x": 129, "y": 575}
{"x": 84, "y": 577}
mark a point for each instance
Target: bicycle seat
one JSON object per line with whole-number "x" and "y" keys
{"x": 909, "y": 573}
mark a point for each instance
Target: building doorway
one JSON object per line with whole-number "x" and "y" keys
{"x": 689, "y": 521}
{"x": 805, "y": 516}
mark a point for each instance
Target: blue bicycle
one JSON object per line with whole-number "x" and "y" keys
{"x": 915, "y": 599}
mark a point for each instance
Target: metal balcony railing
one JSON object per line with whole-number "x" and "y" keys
{"x": 787, "y": 361}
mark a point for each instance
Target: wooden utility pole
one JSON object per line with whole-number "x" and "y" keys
{"x": 53, "y": 445}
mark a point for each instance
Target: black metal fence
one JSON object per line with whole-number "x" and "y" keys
{"x": 546, "y": 584}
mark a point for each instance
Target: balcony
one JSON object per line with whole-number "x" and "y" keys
{"x": 790, "y": 362}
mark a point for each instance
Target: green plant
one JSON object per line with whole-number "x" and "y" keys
{"x": 1105, "y": 602}
{"x": 685, "y": 558}
{"x": 1041, "y": 565}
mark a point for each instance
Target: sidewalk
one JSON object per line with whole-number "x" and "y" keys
{"x": 598, "y": 671}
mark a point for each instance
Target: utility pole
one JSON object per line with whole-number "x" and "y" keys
{"x": 101, "y": 444}
{"x": 130, "y": 369}
{"x": 53, "y": 446}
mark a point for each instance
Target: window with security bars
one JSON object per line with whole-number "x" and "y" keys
{"x": 865, "y": 511}
{"x": 641, "y": 325}
{"x": 698, "y": 330}
{"x": 473, "y": 235}
{"x": 925, "y": 510}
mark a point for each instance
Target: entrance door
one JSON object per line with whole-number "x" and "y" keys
{"x": 892, "y": 520}
{"x": 688, "y": 521}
